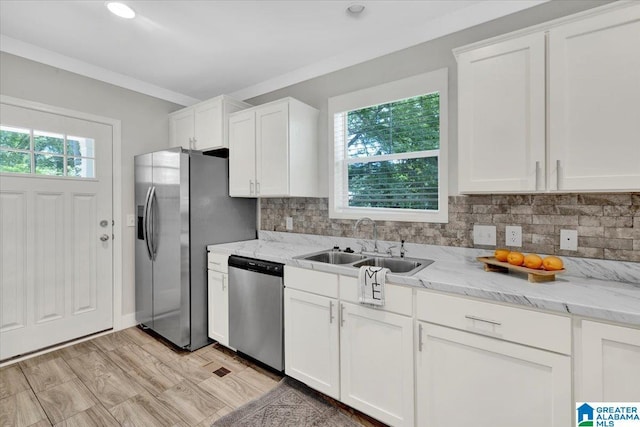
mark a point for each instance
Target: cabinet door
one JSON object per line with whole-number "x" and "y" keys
{"x": 311, "y": 351}
{"x": 467, "y": 379}
{"x": 181, "y": 129}
{"x": 218, "y": 307}
{"x": 610, "y": 363}
{"x": 501, "y": 93}
{"x": 376, "y": 363}
{"x": 594, "y": 90}
{"x": 208, "y": 125}
{"x": 272, "y": 150}
{"x": 242, "y": 154}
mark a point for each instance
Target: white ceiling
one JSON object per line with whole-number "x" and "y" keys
{"x": 185, "y": 51}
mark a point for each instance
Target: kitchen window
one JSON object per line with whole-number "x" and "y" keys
{"x": 390, "y": 151}
{"x": 35, "y": 152}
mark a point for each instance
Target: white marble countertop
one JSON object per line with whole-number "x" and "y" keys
{"x": 607, "y": 290}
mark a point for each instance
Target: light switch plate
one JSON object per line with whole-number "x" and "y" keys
{"x": 131, "y": 220}
{"x": 569, "y": 240}
{"x": 484, "y": 235}
{"x": 289, "y": 221}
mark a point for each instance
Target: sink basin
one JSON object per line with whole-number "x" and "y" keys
{"x": 406, "y": 266}
{"x": 403, "y": 266}
{"x": 334, "y": 257}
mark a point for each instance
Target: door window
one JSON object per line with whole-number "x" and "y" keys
{"x": 37, "y": 152}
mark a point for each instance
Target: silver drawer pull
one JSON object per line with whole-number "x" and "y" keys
{"x": 341, "y": 314}
{"x": 419, "y": 336}
{"x": 479, "y": 319}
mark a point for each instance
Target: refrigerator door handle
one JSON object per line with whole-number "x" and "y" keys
{"x": 153, "y": 247}
{"x": 145, "y": 224}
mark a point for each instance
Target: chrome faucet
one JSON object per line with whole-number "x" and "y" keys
{"x": 375, "y": 231}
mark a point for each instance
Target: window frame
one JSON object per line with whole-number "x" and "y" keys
{"x": 33, "y": 152}
{"x": 422, "y": 84}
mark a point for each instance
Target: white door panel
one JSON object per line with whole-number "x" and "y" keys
{"x": 56, "y": 279}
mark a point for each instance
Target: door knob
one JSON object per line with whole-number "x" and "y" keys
{"x": 104, "y": 237}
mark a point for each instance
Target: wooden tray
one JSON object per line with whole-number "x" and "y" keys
{"x": 535, "y": 276}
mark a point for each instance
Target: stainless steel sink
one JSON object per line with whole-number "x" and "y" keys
{"x": 396, "y": 265}
{"x": 334, "y": 257}
{"x": 406, "y": 266}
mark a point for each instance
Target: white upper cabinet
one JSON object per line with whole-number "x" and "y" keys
{"x": 273, "y": 150}
{"x": 554, "y": 107}
{"x": 203, "y": 126}
{"x": 501, "y": 136}
{"x": 594, "y": 103}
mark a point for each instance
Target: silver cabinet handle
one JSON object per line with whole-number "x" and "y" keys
{"x": 104, "y": 237}
{"x": 419, "y": 336}
{"x": 257, "y": 188}
{"x": 479, "y": 319}
{"x": 330, "y": 311}
{"x": 557, "y": 174}
{"x": 341, "y": 314}
{"x": 251, "y": 186}
{"x": 537, "y": 173}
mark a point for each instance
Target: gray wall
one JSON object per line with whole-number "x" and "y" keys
{"x": 419, "y": 59}
{"x": 145, "y": 127}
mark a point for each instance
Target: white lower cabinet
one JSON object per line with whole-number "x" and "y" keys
{"x": 468, "y": 379}
{"x": 610, "y": 359}
{"x": 218, "y": 297}
{"x": 218, "y": 307}
{"x": 312, "y": 353}
{"x": 376, "y": 363}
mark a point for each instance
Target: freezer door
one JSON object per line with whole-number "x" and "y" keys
{"x": 144, "y": 264}
{"x": 170, "y": 246}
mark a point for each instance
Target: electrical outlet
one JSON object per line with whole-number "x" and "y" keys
{"x": 131, "y": 220}
{"x": 569, "y": 240}
{"x": 484, "y": 235}
{"x": 289, "y": 221}
{"x": 513, "y": 236}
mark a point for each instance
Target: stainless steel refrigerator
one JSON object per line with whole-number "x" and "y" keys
{"x": 183, "y": 205}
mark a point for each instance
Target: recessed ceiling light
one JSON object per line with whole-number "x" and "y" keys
{"x": 121, "y": 10}
{"x": 355, "y": 9}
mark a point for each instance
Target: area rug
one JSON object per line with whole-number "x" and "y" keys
{"x": 290, "y": 403}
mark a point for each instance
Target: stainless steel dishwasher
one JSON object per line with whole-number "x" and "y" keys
{"x": 256, "y": 299}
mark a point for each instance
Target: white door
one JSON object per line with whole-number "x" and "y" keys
{"x": 272, "y": 150}
{"x": 610, "y": 363}
{"x": 311, "y": 343}
{"x": 56, "y": 224}
{"x": 376, "y": 363}
{"x": 466, "y": 379}
{"x": 501, "y": 91}
{"x": 242, "y": 154}
{"x": 218, "y": 307}
{"x": 594, "y": 88}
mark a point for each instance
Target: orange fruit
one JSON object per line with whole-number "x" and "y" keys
{"x": 532, "y": 261}
{"x": 552, "y": 263}
{"x": 501, "y": 254}
{"x": 515, "y": 258}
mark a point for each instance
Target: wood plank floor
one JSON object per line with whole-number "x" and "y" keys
{"x": 130, "y": 378}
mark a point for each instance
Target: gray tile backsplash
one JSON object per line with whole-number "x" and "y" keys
{"x": 608, "y": 224}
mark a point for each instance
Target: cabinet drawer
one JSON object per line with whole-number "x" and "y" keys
{"x": 218, "y": 262}
{"x": 542, "y": 330}
{"x": 398, "y": 299}
{"x": 311, "y": 281}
